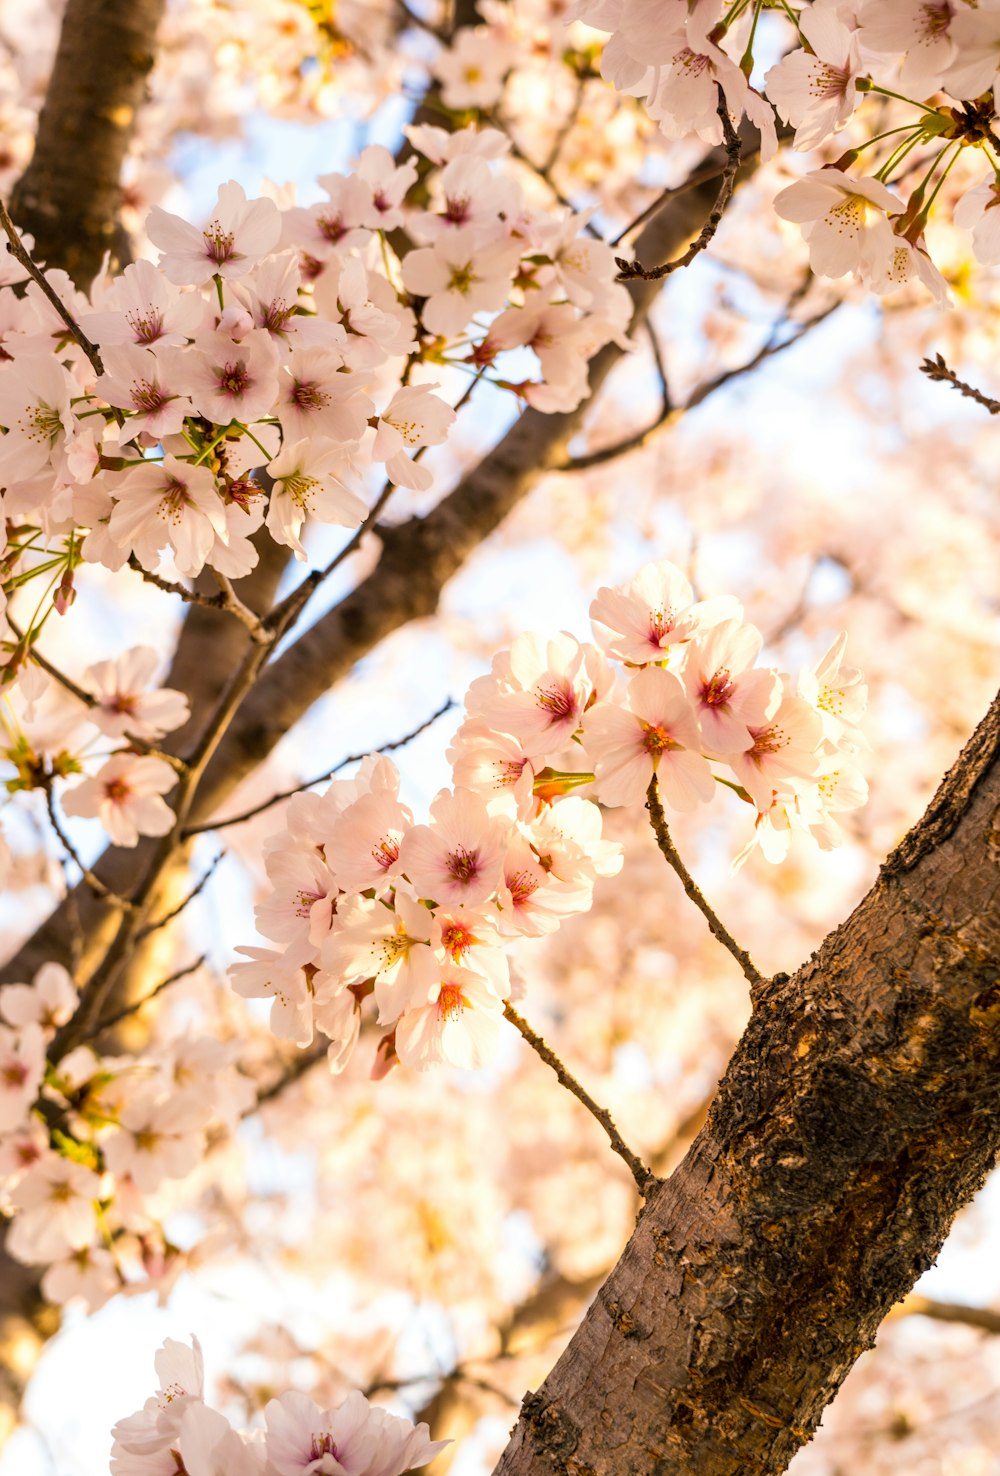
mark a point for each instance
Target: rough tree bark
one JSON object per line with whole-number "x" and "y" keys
{"x": 858, "y": 1114}
{"x": 106, "y": 51}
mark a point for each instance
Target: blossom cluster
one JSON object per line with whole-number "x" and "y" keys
{"x": 176, "y": 1431}
{"x": 85, "y": 1141}
{"x": 365, "y": 901}
{"x": 940, "y": 60}
{"x": 261, "y": 369}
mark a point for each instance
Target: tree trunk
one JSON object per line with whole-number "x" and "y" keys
{"x": 69, "y": 195}
{"x": 857, "y": 1116}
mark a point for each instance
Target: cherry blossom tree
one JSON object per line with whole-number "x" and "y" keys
{"x": 264, "y": 447}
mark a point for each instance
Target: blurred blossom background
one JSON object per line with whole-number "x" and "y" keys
{"x": 434, "y": 1238}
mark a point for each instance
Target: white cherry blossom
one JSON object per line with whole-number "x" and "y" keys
{"x": 844, "y": 219}
{"x": 239, "y": 233}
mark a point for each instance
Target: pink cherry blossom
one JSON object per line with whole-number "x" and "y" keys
{"x": 126, "y": 796}
{"x": 35, "y": 408}
{"x": 920, "y": 29}
{"x": 639, "y": 621}
{"x": 169, "y": 503}
{"x": 657, "y": 734}
{"x": 150, "y": 387}
{"x": 363, "y": 848}
{"x": 315, "y": 399}
{"x": 124, "y": 702}
{"x": 457, "y": 858}
{"x": 278, "y": 975}
{"x": 141, "y": 307}
{"x": 239, "y": 233}
{"x": 539, "y": 693}
{"x": 335, "y": 225}
{"x": 301, "y": 904}
{"x": 784, "y": 746}
{"x": 460, "y": 1024}
{"x": 814, "y": 90}
{"x": 493, "y": 763}
{"x": 22, "y": 1064}
{"x": 233, "y": 381}
{"x": 460, "y": 277}
{"x": 306, "y": 483}
{"x": 414, "y": 417}
{"x": 48, "y": 1001}
{"x": 388, "y": 943}
{"x": 159, "y": 1137}
{"x": 725, "y": 691}
{"x": 55, "y": 1201}
{"x": 473, "y": 68}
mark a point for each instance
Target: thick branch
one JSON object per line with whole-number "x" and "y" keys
{"x": 69, "y": 196}
{"x": 856, "y": 1117}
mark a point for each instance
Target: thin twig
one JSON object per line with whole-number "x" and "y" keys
{"x": 352, "y": 758}
{"x": 290, "y": 1073}
{"x": 232, "y": 602}
{"x": 718, "y": 929}
{"x": 199, "y": 886}
{"x": 17, "y": 249}
{"x": 646, "y": 1181}
{"x": 667, "y": 416}
{"x": 938, "y": 370}
{"x": 138, "y": 1004}
{"x": 629, "y": 270}
{"x": 666, "y": 413}
{"x": 99, "y": 888}
{"x": 226, "y": 599}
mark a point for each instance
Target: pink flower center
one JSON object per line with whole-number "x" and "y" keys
{"x": 275, "y": 316}
{"x": 765, "y": 741}
{"x": 309, "y": 396}
{"x": 147, "y": 396}
{"x": 463, "y": 865}
{"x": 660, "y": 622}
{"x": 656, "y": 738}
{"x": 522, "y": 886}
{"x": 331, "y": 227}
{"x": 455, "y": 939}
{"x": 456, "y": 210}
{"x": 559, "y": 700}
{"x": 385, "y": 852}
{"x": 117, "y": 791}
{"x": 234, "y": 379}
{"x": 322, "y": 1445}
{"x": 218, "y": 243}
{"x": 173, "y": 500}
{"x": 146, "y": 327}
{"x": 450, "y": 1002}
{"x": 936, "y": 17}
{"x": 14, "y": 1073}
{"x": 718, "y": 690}
{"x": 830, "y": 81}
